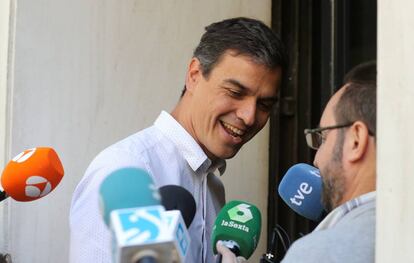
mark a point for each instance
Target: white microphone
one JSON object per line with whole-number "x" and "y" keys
{"x": 142, "y": 230}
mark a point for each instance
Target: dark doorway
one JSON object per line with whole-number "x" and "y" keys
{"x": 324, "y": 39}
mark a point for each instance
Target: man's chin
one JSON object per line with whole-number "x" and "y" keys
{"x": 228, "y": 154}
{"x": 223, "y": 154}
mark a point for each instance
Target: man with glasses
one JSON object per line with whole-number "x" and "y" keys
{"x": 346, "y": 156}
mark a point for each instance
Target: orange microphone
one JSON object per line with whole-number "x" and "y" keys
{"x": 31, "y": 175}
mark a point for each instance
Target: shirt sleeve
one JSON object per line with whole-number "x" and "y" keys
{"x": 90, "y": 238}
{"x": 312, "y": 248}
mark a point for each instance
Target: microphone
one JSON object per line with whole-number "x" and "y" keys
{"x": 174, "y": 197}
{"x": 31, "y": 175}
{"x": 142, "y": 230}
{"x": 301, "y": 189}
{"x": 127, "y": 188}
{"x": 238, "y": 225}
{"x": 180, "y": 205}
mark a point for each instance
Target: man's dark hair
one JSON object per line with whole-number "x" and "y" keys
{"x": 364, "y": 73}
{"x": 359, "y": 99}
{"x": 243, "y": 36}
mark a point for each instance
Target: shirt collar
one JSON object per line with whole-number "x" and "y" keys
{"x": 338, "y": 213}
{"x": 191, "y": 151}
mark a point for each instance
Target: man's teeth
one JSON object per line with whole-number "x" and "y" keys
{"x": 234, "y": 130}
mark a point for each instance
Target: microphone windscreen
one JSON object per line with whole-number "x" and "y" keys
{"x": 174, "y": 197}
{"x": 32, "y": 174}
{"x": 127, "y": 188}
{"x": 301, "y": 189}
{"x": 240, "y": 222}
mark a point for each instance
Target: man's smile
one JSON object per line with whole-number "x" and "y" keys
{"x": 233, "y": 131}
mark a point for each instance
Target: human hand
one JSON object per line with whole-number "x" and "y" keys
{"x": 227, "y": 255}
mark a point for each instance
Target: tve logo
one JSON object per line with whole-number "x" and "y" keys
{"x": 140, "y": 225}
{"x": 240, "y": 213}
{"x": 37, "y": 186}
{"x": 304, "y": 189}
{"x": 315, "y": 172}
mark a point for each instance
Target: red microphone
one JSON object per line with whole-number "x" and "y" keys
{"x": 31, "y": 175}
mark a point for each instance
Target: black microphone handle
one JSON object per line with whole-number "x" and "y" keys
{"x": 146, "y": 256}
{"x": 147, "y": 259}
{"x": 3, "y": 195}
{"x": 266, "y": 260}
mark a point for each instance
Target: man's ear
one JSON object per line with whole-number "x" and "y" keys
{"x": 356, "y": 141}
{"x": 193, "y": 74}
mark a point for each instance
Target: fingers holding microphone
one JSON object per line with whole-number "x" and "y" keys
{"x": 227, "y": 255}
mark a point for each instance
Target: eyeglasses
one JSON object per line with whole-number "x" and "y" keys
{"x": 314, "y": 137}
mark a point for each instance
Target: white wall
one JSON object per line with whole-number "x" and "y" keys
{"x": 87, "y": 73}
{"x": 4, "y": 41}
{"x": 395, "y": 212}
{"x": 6, "y": 23}
{"x": 4, "y": 49}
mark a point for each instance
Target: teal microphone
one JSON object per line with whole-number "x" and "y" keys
{"x": 238, "y": 225}
{"x": 127, "y": 188}
{"x": 142, "y": 231}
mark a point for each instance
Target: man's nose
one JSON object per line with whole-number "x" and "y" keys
{"x": 247, "y": 112}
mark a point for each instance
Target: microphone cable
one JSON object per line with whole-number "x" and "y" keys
{"x": 279, "y": 235}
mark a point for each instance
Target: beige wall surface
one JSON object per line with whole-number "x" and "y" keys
{"x": 5, "y": 28}
{"x": 6, "y": 25}
{"x": 88, "y": 73}
{"x": 395, "y": 209}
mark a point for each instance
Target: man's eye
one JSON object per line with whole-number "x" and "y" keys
{"x": 265, "y": 106}
{"x": 235, "y": 93}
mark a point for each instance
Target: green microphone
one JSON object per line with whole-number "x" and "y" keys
{"x": 238, "y": 225}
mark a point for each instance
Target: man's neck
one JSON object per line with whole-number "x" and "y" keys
{"x": 362, "y": 182}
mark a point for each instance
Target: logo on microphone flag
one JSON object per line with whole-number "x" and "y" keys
{"x": 24, "y": 156}
{"x": 182, "y": 240}
{"x": 315, "y": 172}
{"x": 138, "y": 225}
{"x": 37, "y": 186}
{"x": 151, "y": 227}
{"x": 240, "y": 213}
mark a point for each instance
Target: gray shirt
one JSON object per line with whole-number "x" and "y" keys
{"x": 347, "y": 234}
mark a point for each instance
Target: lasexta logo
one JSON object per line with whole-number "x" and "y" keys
{"x": 240, "y": 213}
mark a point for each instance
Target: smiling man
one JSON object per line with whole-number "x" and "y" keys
{"x": 231, "y": 84}
{"x": 226, "y": 108}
